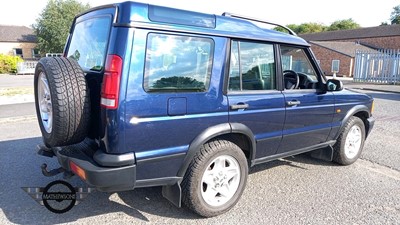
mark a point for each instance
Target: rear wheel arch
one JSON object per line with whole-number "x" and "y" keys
{"x": 236, "y": 133}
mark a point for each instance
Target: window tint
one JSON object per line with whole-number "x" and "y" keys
{"x": 252, "y": 66}
{"x": 177, "y": 63}
{"x": 89, "y": 42}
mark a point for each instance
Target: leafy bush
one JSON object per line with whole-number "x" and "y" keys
{"x": 8, "y": 64}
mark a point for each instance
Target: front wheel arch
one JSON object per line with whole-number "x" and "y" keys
{"x": 350, "y": 142}
{"x": 360, "y": 111}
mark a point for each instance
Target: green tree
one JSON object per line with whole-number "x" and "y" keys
{"x": 52, "y": 25}
{"x": 395, "y": 15}
{"x": 347, "y": 24}
{"x": 304, "y": 28}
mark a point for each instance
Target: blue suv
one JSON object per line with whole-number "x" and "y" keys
{"x": 154, "y": 96}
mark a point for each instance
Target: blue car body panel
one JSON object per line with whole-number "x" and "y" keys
{"x": 164, "y": 129}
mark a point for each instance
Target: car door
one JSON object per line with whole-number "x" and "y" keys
{"x": 309, "y": 110}
{"x": 254, "y": 100}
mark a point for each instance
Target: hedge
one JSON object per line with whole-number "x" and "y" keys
{"x": 8, "y": 64}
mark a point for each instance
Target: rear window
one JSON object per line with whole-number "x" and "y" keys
{"x": 89, "y": 41}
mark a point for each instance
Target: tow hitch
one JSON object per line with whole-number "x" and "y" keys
{"x": 51, "y": 172}
{"x": 48, "y": 152}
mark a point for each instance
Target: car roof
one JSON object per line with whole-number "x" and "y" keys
{"x": 141, "y": 15}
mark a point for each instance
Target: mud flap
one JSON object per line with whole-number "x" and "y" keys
{"x": 325, "y": 154}
{"x": 173, "y": 193}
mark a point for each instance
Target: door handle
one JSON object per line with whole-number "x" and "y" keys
{"x": 293, "y": 102}
{"x": 239, "y": 106}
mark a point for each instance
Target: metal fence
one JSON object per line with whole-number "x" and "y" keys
{"x": 26, "y": 67}
{"x": 381, "y": 67}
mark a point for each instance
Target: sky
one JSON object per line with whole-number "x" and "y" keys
{"x": 365, "y": 13}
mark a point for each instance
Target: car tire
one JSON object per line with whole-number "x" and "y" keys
{"x": 62, "y": 101}
{"x": 215, "y": 179}
{"x": 350, "y": 143}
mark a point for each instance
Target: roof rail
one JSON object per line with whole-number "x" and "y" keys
{"x": 259, "y": 20}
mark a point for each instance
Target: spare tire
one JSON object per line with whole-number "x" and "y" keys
{"x": 62, "y": 101}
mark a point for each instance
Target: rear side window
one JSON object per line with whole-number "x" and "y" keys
{"x": 177, "y": 63}
{"x": 252, "y": 67}
{"x": 89, "y": 41}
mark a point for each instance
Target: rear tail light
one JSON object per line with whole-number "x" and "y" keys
{"x": 111, "y": 81}
{"x": 77, "y": 170}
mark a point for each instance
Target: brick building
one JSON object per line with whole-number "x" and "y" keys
{"x": 338, "y": 48}
{"x": 337, "y": 56}
{"x": 18, "y": 40}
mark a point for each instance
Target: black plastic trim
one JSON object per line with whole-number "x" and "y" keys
{"x": 291, "y": 153}
{"x": 161, "y": 158}
{"x": 196, "y": 144}
{"x": 162, "y": 181}
{"x": 110, "y": 160}
{"x": 238, "y": 128}
{"x": 278, "y": 68}
{"x": 227, "y": 66}
{"x": 212, "y": 132}
{"x": 309, "y": 131}
{"x": 350, "y": 113}
{"x": 107, "y": 179}
{"x": 371, "y": 122}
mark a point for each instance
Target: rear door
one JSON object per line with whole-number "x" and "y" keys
{"x": 172, "y": 96}
{"x": 309, "y": 111}
{"x": 254, "y": 100}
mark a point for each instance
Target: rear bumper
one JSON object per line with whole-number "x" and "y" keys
{"x": 103, "y": 178}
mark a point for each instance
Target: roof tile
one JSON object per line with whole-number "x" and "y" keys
{"x": 344, "y": 47}
{"x": 369, "y": 32}
{"x": 16, "y": 34}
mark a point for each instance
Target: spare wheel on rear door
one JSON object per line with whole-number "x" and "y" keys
{"x": 62, "y": 101}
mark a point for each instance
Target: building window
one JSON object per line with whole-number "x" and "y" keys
{"x": 18, "y": 52}
{"x": 35, "y": 53}
{"x": 335, "y": 65}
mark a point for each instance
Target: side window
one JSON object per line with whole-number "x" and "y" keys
{"x": 252, "y": 66}
{"x": 177, "y": 63}
{"x": 297, "y": 69}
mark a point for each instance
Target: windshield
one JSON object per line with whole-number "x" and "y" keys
{"x": 89, "y": 42}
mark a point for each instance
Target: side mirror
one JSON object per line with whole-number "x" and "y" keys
{"x": 334, "y": 85}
